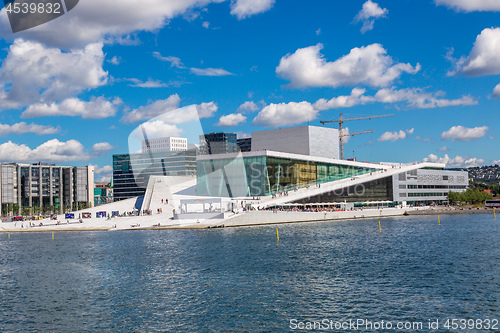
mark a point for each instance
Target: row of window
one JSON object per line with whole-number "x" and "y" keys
{"x": 455, "y": 187}
{"x": 424, "y": 194}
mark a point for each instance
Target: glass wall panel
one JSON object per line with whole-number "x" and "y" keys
{"x": 266, "y": 175}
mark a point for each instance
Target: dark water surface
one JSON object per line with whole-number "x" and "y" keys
{"x": 242, "y": 280}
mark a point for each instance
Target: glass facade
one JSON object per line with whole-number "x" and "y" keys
{"x": 218, "y": 143}
{"x": 131, "y": 172}
{"x": 266, "y": 175}
{"x": 376, "y": 190}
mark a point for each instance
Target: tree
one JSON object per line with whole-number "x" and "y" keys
{"x": 453, "y": 197}
{"x": 472, "y": 196}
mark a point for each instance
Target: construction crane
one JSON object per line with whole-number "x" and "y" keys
{"x": 341, "y": 129}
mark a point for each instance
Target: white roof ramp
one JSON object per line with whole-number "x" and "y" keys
{"x": 314, "y": 190}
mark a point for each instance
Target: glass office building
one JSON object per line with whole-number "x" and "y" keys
{"x": 266, "y": 173}
{"x": 131, "y": 172}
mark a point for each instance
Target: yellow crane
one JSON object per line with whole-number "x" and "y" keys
{"x": 341, "y": 129}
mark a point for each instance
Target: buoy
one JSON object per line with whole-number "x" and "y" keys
{"x": 9, "y": 234}
{"x": 52, "y": 235}
{"x": 379, "y": 227}
{"x": 494, "y": 213}
{"x": 439, "y": 220}
{"x": 277, "y": 235}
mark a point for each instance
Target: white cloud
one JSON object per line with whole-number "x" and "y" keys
{"x": 115, "y": 60}
{"x": 356, "y": 98}
{"x": 456, "y": 162}
{"x": 368, "y": 65}
{"x": 368, "y": 14}
{"x": 53, "y": 151}
{"x": 318, "y": 32}
{"x": 22, "y": 128}
{"x": 443, "y": 149}
{"x": 460, "y": 133}
{"x": 107, "y": 169}
{"x": 210, "y": 72}
{"x": 206, "y": 24}
{"x": 243, "y": 135}
{"x": 483, "y": 58}
{"x": 248, "y": 106}
{"x": 148, "y": 84}
{"x": 158, "y": 129}
{"x": 152, "y": 110}
{"x": 96, "y": 108}
{"x": 33, "y": 73}
{"x": 206, "y": 110}
{"x": 231, "y": 120}
{"x": 106, "y": 172}
{"x": 347, "y": 136}
{"x": 170, "y": 112}
{"x": 417, "y": 99}
{"x": 496, "y": 91}
{"x": 174, "y": 61}
{"x": 98, "y": 20}
{"x": 414, "y": 99}
{"x": 282, "y": 114}
{"x": 471, "y": 5}
{"x": 246, "y": 8}
{"x": 102, "y": 147}
{"x": 395, "y": 136}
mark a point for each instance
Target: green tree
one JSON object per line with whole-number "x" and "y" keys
{"x": 453, "y": 197}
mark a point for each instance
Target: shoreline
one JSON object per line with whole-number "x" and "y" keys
{"x": 252, "y": 218}
{"x": 452, "y": 211}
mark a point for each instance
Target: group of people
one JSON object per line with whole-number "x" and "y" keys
{"x": 280, "y": 194}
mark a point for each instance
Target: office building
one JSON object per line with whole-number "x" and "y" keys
{"x": 43, "y": 188}
{"x": 131, "y": 172}
{"x": 245, "y": 144}
{"x": 164, "y": 144}
{"x": 103, "y": 193}
{"x": 218, "y": 143}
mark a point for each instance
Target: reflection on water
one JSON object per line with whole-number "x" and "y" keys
{"x": 240, "y": 280}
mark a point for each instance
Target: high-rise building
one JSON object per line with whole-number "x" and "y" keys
{"x": 245, "y": 144}
{"x": 131, "y": 172}
{"x": 218, "y": 143}
{"x": 164, "y": 144}
{"x": 38, "y": 188}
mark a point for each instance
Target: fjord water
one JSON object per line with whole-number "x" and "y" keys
{"x": 242, "y": 280}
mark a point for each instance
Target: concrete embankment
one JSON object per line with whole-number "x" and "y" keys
{"x": 278, "y": 217}
{"x": 451, "y": 210}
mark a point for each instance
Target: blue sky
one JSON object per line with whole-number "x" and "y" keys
{"x": 73, "y": 90}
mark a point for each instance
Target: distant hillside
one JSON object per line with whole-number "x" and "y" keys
{"x": 485, "y": 174}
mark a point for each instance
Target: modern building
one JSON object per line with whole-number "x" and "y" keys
{"x": 427, "y": 185}
{"x": 303, "y": 140}
{"x": 103, "y": 193}
{"x": 218, "y": 143}
{"x": 264, "y": 173}
{"x": 43, "y": 188}
{"x": 245, "y": 144}
{"x": 131, "y": 172}
{"x": 164, "y": 144}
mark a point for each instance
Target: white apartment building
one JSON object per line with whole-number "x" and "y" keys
{"x": 164, "y": 144}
